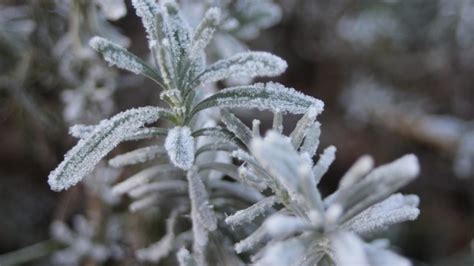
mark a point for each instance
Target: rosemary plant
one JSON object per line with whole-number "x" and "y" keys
{"x": 191, "y": 175}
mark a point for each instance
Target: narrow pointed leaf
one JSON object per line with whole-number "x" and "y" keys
{"x": 236, "y": 126}
{"x": 116, "y": 55}
{"x": 200, "y": 201}
{"x": 269, "y": 96}
{"x": 81, "y": 159}
{"x": 252, "y": 212}
{"x": 246, "y": 64}
{"x": 141, "y": 155}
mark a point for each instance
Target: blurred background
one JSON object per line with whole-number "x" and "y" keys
{"x": 396, "y": 77}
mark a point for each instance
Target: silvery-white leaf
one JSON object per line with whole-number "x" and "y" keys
{"x": 146, "y": 133}
{"x": 249, "y": 214}
{"x": 270, "y": 96}
{"x": 140, "y": 155}
{"x": 144, "y": 203}
{"x": 217, "y": 132}
{"x": 299, "y": 133}
{"x": 148, "y": 10}
{"x": 381, "y": 256}
{"x": 257, "y": 237}
{"x": 246, "y": 64}
{"x": 237, "y": 189}
{"x": 204, "y": 31}
{"x": 143, "y": 177}
{"x": 395, "y": 209}
{"x": 325, "y": 160}
{"x": 200, "y": 201}
{"x": 161, "y": 187}
{"x": 281, "y": 226}
{"x": 349, "y": 250}
{"x": 81, "y": 159}
{"x": 358, "y": 170}
{"x": 180, "y": 146}
{"x": 81, "y": 131}
{"x": 224, "y": 168}
{"x": 114, "y": 54}
{"x": 377, "y": 185}
{"x": 277, "y": 121}
{"x": 283, "y": 253}
{"x": 177, "y": 31}
{"x": 311, "y": 141}
{"x": 236, "y": 126}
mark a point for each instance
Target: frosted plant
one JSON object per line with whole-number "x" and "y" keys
{"x": 80, "y": 242}
{"x": 310, "y": 230}
{"x": 190, "y": 175}
{"x": 370, "y": 101}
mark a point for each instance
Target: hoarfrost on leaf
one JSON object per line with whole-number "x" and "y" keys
{"x": 180, "y": 146}
{"x": 81, "y": 159}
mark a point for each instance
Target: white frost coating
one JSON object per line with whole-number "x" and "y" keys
{"x": 311, "y": 141}
{"x": 177, "y": 31}
{"x": 180, "y": 147}
{"x": 142, "y": 178}
{"x": 395, "y": 209}
{"x": 200, "y": 201}
{"x": 277, "y": 124}
{"x": 358, "y": 170}
{"x": 205, "y": 31}
{"x": 249, "y": 214}
{"x": 283, "y": 253}
{"x": 298, "y": 134}
{"x": 81, "y": 159}
{"x": 141, "y": 155}
{"x": 116, "y": 55}
{"x": 80, "y": 131}
{"x": 148, "y": 10}
{"x": 236, "y": 126}
{"x": 269, "y": 96}
{"x": 378, "y": 255}
{"x": 161, "y": 187}
{"x": 325, "y": 160}
{"x": 246, "y": 64}
{"x": 279, "y": 225}
{"x": 349, "y": 250}
{"x": 251, "y": 241}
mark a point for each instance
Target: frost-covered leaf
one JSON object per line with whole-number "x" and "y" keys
{"x": 249, "y": 214}
{"x": 219, "y": 133}
{"x": 311, "y": 141}
{"x": 177, "y": 31}
{"x": 204, "y": 31}
{"x": 81, "y": 131}
{"x": 146, "y": 133}
{"x": 200, "y": 201}
{"x": 140, "y": 155}
{"x": 148, "y": 10}
{"x": 381, "y": 256}
{"x": 298, "y": 134}
{"x": 180, "y": 146}
{"x": 236, "y": 126}
{"x": 81, "y": 159}
{"x": 377, "y": 185}
{"x": 283, "y": 253}
{"x": 281, "y": 226}
{"x": 277, "y": 124}
{"x": 358, "y": 170}
{"x": 257, "y": 237}
{"x": 395, "y": 209}
{"x": 116, "y": 55}
{"x": 143, "y": 177}
{"x": 270, "y": 96}
{"x": 325, "y": 160}
{"x": 349, "y": 250}
{"x": 160, "y": 187}
{"x": 246, "y": 64}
